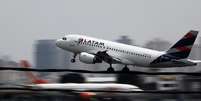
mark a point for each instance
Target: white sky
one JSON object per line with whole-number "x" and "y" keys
{"x": 24, "y": 21}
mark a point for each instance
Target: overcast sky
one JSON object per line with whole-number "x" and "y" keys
{"x": 24, "y": 21}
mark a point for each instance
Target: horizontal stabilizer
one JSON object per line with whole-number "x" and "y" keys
{"x": 195, "y": 61}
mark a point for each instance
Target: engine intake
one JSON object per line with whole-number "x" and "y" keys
{"x": 89, "y": 58}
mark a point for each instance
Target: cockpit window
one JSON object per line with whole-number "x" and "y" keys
{"x": 64, "y": 38}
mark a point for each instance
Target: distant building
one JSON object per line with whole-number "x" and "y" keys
{"x": 47, "y": 55}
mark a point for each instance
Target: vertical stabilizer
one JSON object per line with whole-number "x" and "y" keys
{"x": 182, "y": 48}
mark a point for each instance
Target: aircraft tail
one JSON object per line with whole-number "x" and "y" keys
{"x": 30, "y": 75}
{"x": 182, "y": 48}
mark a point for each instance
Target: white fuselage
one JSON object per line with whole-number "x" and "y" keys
{"x": 87, "y": 86}
{"x": 129, "y": 55}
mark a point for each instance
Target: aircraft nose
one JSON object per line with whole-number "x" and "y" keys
{"x": 59, "y": 42}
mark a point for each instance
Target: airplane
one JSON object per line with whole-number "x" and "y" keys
{"x": 93, "y": 50}
{"x": 79, "y": 89}
{"x": 87, "y": 91}
{"x": 87, "y": 86}
{"x": 42, "y": 83}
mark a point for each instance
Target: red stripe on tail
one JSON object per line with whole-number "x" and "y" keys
{"x": 184, "y": 48}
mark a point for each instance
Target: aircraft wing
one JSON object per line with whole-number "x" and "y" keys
{"x": 103, "y": 55}
{"x": 109, "y": 58}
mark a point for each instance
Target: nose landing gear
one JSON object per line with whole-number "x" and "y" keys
{"x": 73, "y": 59}
{"x": 110, "y": 69}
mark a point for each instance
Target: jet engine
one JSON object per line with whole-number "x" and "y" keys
{"x": 89, "y": 58}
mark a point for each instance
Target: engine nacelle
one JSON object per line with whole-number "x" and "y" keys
{"x": 89, "y": 58}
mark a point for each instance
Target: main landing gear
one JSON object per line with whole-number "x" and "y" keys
{"x": 111, "y": 69}
{"x": 73, "y": 59}
{"x": 125, "y": 69}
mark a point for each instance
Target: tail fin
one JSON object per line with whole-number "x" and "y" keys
{"x": 34, "y": 78}
{"x": 182, "y": 48}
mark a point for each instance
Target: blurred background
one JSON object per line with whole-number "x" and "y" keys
{"x": 47, "y": 55}
{"x": 29, "y": 29}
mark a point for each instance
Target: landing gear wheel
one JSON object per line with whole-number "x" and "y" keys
{"x": 74, "y": 56}
{"x": 73, "y": 60}
{"x": 110, "y": 69}
{"x": 125, "y": 69}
